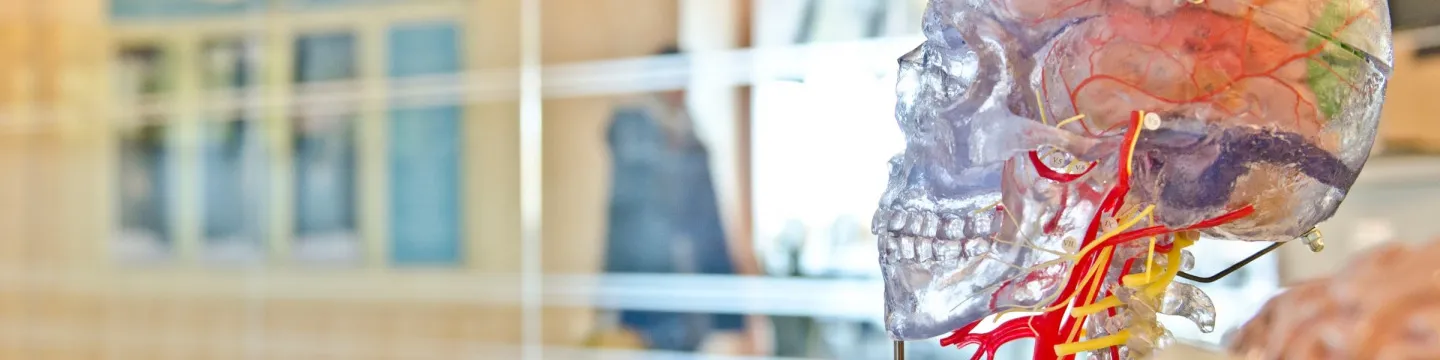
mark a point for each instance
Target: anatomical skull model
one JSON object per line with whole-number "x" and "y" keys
{"x": 1061, "y": 154}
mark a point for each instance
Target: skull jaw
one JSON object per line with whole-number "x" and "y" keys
{"x": 925, "y": 300}
{"x": 919, "y": 306}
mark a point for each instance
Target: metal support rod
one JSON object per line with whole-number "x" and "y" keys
{"x": 1232, "y": 268}
{"x": 1312, "y": 238}
{"x": 899, "y": 350}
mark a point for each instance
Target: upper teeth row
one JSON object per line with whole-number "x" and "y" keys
{"x": 904, "y": 248}
{"x": 947, "y": 226}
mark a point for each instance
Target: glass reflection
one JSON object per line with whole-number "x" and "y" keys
{"x": 234, "y": 158}
{"x": 425, "y": 150}
{"x": 145, "y": 180}
{"x": 325, "y": 226}
{"x": 663, "y": 214}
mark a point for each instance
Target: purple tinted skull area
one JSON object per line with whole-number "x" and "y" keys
{"x": 1208, "y": 185}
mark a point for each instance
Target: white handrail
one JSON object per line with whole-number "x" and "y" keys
{"x": 854, "y": 299}
{"x": 592, "y": 78}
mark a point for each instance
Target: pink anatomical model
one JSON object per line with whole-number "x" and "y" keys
{"x": 1385, "y": 305}
{"x": 1061, "y": 154}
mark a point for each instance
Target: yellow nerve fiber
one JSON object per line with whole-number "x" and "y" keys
{"x": 1093, "y": 277}
{"x": 1151, "y": 289}
{"x": 1090, "y": 275}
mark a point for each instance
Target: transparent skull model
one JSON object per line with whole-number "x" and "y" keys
{"x": 1062, "y": 153}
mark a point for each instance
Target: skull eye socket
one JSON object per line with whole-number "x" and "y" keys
{"x": 954, "y": 40}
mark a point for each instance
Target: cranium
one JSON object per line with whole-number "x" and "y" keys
{"x": 1021, "y": 115}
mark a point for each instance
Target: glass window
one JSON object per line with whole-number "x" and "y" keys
{"x": 847, "y": 89}
{"x": 821, "y": 135}
{"x": 323, "y": 4}
{"x": 128, "y": 9}
{"x": 324, "y": 149}
{"x": 804, "y": 22}
{"x": 140, "y": 73}
{"x": 424, "y": 148}
{"x": 234, "y": 171}
{"x": 145, "y": 183}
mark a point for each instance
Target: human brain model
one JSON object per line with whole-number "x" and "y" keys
{"x": 1384, "y": 305}
{"x": 1061, "y": 154}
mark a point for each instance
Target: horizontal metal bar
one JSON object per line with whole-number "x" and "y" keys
{"x": 855, "y": 299}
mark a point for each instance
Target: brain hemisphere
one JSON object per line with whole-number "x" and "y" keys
{"x": 1194, "y": 63}
{"x": 1244, "y": 77}
{"x": 1287, "y": 19}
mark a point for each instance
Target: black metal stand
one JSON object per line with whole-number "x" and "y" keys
{"x": 1232, "y": 268}
{"x": 1311, "y": 238}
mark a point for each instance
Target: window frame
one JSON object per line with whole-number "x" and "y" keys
{"x": 275, "y": 33}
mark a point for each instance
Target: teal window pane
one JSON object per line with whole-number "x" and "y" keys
{"x": 329, "y": 4}
{"x": 146, "y": 186}
{"x": 325, "y": 57}
{"x": 424, "y": 49}
{"x": 145, "y": 183}
{"x": 146, "y": 9}
{"x": 235, "y": 174}
{"x": 325, "y": 152}
{"x": 425, "y": 152}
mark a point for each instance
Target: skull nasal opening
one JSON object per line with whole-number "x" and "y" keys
{"x": 916, "y": 177}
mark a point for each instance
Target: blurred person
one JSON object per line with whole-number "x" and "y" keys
{"x": 664, "y": 218}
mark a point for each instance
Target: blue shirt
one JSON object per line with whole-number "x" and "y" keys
{"x": 664, "y": 218}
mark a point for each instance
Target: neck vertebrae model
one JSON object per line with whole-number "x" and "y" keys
{"x": 1129, "y": 296}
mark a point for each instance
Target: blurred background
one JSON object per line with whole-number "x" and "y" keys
{"x": 506, "y": 179}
